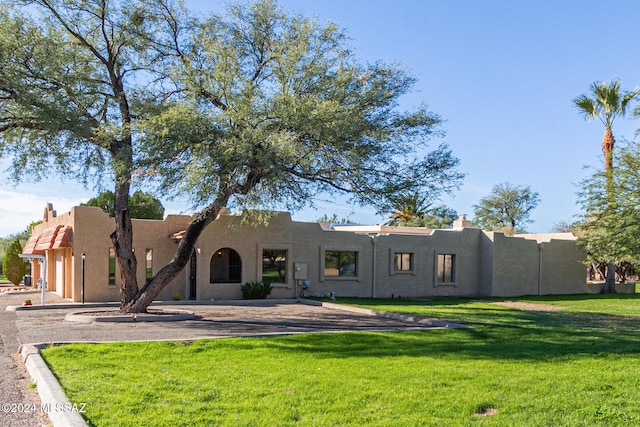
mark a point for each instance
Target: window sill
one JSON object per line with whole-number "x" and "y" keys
{"x": 342, "y": 278}
{"x": 446, "y": 284}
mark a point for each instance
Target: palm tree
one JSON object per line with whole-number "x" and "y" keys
{"x": 607, "y": 103}
{"x": 408, "y": 208}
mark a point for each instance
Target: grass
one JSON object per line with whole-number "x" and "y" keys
{"x": 575, "y": 366}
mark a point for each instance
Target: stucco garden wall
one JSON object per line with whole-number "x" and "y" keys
{"x": 515, "y": 266}
{"x": 422, "y": 281}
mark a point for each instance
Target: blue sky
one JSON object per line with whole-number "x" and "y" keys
{"x": 501, "y": 74}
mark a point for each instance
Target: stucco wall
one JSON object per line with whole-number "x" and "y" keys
{"x": 422, "y": 281}
{"x": 515, "y": 266}
{"x": 91, "y": 230}
{"x": 227, "y": 232}
{"x": 562, "y": 270}
{"x": 486, "y": 263}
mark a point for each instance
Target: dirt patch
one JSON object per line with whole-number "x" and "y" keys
{"x": 485, "y": 411}
{"x": 117, "y": 316}
{"x": 526, "y": 306}
{"x": 113, "y": 313}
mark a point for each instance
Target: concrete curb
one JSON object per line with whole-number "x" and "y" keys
{"x": 87, "y": 317}
{"x": 60, "y": 410}
{"x": 386, "y": 314}
{"x": 61, "y": 306}
{"x": 252, "y": 302}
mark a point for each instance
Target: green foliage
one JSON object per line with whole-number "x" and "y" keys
{"x": 145, "y": 206}
{"x": 22, "y": 236}
{"x": 413, "y": 210}
{"x": 250, "y": 108}
{"x": 141, "y": 205}
{"x": 14, "y": 267}
{"x": 29, "y": 229}
{"x": 333, "y": 219}
{"x": 439, "y": 217}
{"x": 610, "y": 225}
{"x": 606, "y": 102}
{"x": 74, "y": 77}
{"x": 104, "y": 201}
{"x": 408, "y": 208}
{"x": 506, "y": 209}
{"x": 291, "y": 114}
{"x": 61, "y": 111}
{"x": 256, "y": 290}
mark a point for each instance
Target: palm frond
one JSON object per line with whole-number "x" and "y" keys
{"x": 607, "y": 102}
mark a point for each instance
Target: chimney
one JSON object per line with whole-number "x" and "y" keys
{"x": 462, "y": 222}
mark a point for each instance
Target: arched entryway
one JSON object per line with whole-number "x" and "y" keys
{"x": 225, "y": 266}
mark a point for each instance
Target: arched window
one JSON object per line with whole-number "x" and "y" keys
{"x": 225, "y": 266}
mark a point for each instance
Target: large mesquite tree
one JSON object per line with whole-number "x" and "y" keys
{"x": 255, "y": 108}
{"x": 508, "y": 208}
{"x": 610, "y": 225}
{"x": 71, "y": 72}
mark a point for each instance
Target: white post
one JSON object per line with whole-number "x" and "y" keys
{"x": 43, "y": 260}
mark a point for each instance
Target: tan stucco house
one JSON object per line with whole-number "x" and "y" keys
{"x": 365, "y": 261}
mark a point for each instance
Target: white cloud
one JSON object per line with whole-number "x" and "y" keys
{"x": 19, "y": 209}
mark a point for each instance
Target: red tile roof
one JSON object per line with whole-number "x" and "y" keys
{"x": 59, "y": 236}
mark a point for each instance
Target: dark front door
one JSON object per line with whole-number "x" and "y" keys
{"x": 193, "y": 269}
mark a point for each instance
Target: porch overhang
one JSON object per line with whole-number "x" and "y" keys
{"x": 59, "y": 236}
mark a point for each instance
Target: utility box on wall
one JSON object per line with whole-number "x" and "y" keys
{"x": 300, "y": 271}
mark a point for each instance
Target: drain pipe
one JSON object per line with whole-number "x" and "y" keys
{"x": 539, "y": 268}
{"x": 43, "y": 260}
{"x": 374, "y": 240}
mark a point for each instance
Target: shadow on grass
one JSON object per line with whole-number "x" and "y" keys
{"x": 499, "y": 333}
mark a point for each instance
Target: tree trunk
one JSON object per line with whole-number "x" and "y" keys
{"x": 607, "y": 148}
{"x": 122, "y": 237}
{"x": 609, "y": 286}
{"x": 147, "y": 294}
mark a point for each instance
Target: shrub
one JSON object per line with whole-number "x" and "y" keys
{"x": 13, "y": 266}
{"x": 256, "y": 290}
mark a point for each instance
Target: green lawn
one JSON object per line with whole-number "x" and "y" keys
{"x": 578, "y": 365}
